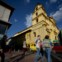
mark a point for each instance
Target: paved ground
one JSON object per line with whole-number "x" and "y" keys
{"x": 11, "y": 55}
{"x": 30, "y": 58}
{"x": 17, "y": 57}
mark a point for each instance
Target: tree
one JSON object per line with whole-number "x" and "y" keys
{"x": 60, "y": 37}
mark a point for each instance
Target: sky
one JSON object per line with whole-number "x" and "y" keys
{"x": 23, "y": 9}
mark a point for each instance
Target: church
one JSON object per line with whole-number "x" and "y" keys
{"x": 41, "y": 25}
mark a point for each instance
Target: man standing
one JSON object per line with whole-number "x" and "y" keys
{"x": 38, "y": 53}
{"x": 24, "y": 48}
{"x": 3, "y": 46}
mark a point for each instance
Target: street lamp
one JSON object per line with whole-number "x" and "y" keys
{"x": 5, "y": 14}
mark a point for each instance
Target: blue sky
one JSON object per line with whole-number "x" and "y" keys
{"x": 22, "y": 15}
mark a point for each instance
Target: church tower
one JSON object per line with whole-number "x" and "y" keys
{"x": 37, "y": 14}
{"x": 42, "y": 24}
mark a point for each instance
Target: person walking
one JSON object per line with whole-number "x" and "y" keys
{"x": 24, "y": 48}
{"x": 38, "y": 53}
{"x": 47, "y": 47}
{"x": 3, "y": 47}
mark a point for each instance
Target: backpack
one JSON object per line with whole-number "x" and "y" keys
{"x": 46, "y": 43}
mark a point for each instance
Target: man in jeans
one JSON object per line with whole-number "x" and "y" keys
{"x": 38, "y": 53}
{"x": 47, "y": 46}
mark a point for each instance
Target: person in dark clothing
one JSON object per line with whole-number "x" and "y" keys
{"x": 2, "y": 56}
{"x": 3, "y": 47}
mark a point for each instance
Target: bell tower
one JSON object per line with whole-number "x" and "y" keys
{"x": 37, "y": 14}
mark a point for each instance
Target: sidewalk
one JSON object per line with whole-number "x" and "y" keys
{"x": 11, "y": 55}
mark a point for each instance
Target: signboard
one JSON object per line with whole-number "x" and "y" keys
{"x": 4, "y": 13}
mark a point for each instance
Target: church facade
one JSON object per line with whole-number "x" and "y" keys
{"x": 41, "y": 25}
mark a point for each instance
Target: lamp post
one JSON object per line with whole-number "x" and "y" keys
{"x": 5, "y": 14}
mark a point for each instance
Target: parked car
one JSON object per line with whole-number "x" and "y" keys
{"x": 57, "y": 48}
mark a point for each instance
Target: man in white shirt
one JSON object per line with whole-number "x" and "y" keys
{"x": 38, "y": 53}
{"x": 24, "y": 48}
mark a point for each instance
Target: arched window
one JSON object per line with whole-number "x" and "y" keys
{"x": 36, "y": 8}
{"x": 36, "y": 14}
{"x": 36, "y": 19}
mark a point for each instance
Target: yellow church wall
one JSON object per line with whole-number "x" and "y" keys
{"x": 41, "y": 18}
{"x": 34, "y": 22}
{"x": 51, "y": 31}
{"x": 56, "y": 29}
{"x": 52, "y": 36}
{"x": 48, "y": 21}
{"x": 39, "y": 6}
{"x": 40, "y": 11}
{"x": 42, "y": 32}
{"x": 51, "y": 18}
{"x": 40, "y": 29}
{"x": 33, "y": 15}
{"x": 51, "y": 25}
{"x": 52, "y": 28}
{"x": 28, "y": 37}
{"x": 32, "y": 37}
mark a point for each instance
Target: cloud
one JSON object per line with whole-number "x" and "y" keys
{"x": 28, "y": 1}
{"x": 60, "y": 27}
{"x": 57, "y": 15}
{"x": 47, "y": 3}
{"x": 28, "y": 20}
{"x": 60, "y": 6}
{"x": 15, "y": 20}
{"x": 53, "y": 1}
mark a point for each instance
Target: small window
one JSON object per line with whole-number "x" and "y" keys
{"x": 36, "y": 8}
{"x": 37, "y": 20}
{"x": 48, "y": 30}
{"x": 36, "y": 14}
{"x": 44, "y": 25}
{"x": 34, "y": 34}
